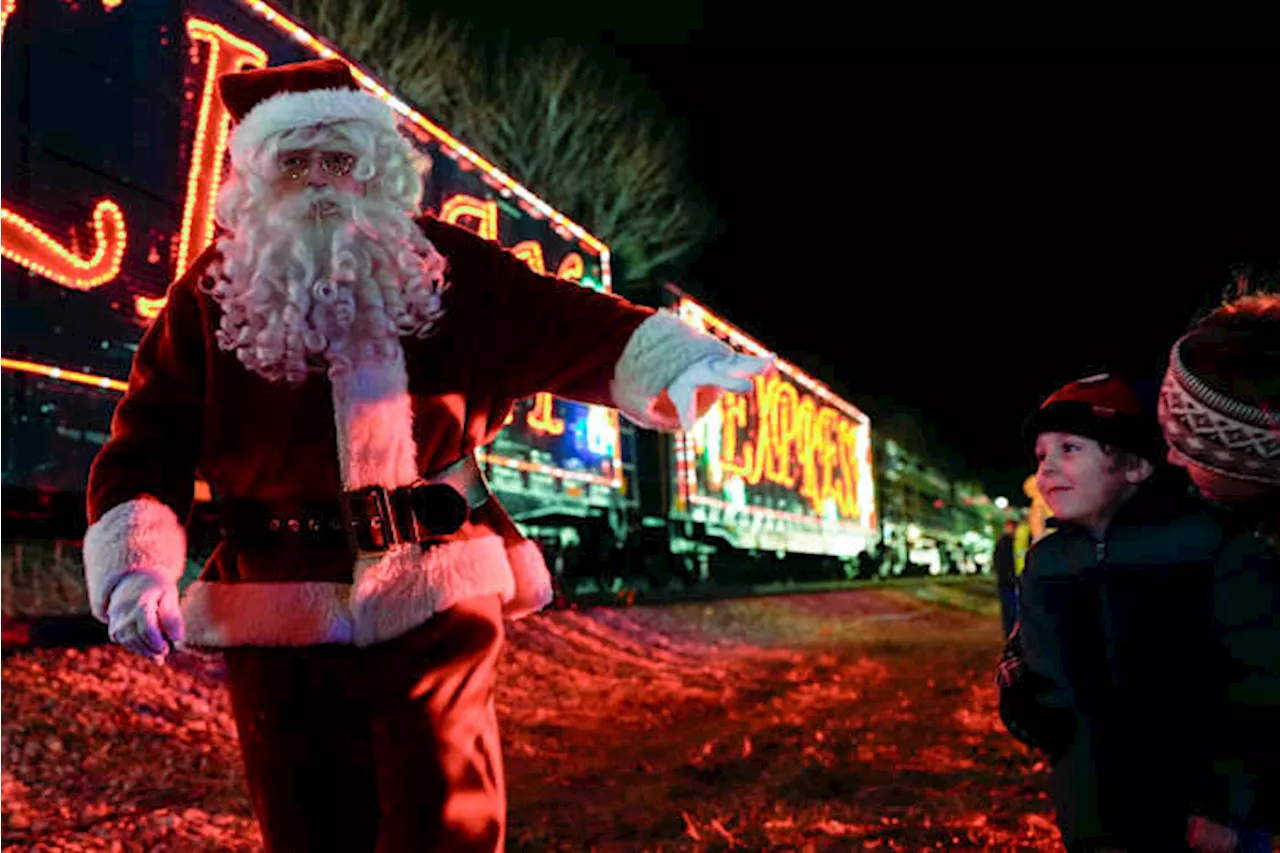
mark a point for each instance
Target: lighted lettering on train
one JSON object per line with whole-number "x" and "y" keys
{"x": 785, "y": 466}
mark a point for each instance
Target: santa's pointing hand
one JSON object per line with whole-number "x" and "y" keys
{"x": 698, "y": 388}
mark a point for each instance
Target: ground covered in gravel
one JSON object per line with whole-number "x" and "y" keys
{"x": 852, "y": 720}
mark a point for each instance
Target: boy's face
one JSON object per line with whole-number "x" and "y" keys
{"x": 1082, "y": 483}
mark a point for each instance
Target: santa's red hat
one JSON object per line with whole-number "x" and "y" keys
{"x": 266, "y": 101}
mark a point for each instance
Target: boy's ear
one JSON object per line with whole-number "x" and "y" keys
{"x": 1138, "y": 471}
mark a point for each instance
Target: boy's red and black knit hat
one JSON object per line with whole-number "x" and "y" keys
{"x": 1102, "y": 407}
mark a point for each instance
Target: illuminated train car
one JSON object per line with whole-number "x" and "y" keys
{"x": 773, "y": 484}
{"x": 114, "y": 149}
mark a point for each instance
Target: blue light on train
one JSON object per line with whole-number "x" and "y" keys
{"x": 594, "y": 431}
{"x": 601, "y": 431}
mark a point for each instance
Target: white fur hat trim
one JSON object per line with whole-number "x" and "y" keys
{"x": 290, "y": 110}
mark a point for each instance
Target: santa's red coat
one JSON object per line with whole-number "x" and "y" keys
{"x": 191, "y": 408}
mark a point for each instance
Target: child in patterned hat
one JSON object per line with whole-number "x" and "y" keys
{"x": 1220, "y": 412}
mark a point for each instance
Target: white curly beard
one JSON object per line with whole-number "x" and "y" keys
{"x": 319, "y": 280}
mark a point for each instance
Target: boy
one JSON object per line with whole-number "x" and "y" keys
{"x": 1114, "y": 609}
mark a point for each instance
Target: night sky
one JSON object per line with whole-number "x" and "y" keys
{"x": 941, "y": 241}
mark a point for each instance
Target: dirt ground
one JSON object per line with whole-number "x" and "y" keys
{"x": 855, "y": 720}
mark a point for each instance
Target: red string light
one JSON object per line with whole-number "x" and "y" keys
{"x": 485, "y": 212}
{"x": 22, "y": 242}
{"x": 147, "y": 307}
{"x": 63, "y": 374}
{"x": 530, "y": 251}
{"x": 571, "y": 268}
{"x": 542, "y": 418}
{"x": 226, "y": 54}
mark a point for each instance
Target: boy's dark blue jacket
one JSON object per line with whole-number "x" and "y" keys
{"x": 1117, "y": 636}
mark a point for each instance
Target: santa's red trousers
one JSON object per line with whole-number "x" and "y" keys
{"x": 393, "y": 747}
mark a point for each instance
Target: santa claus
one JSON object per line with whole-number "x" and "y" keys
{"x": 329, "y": 366}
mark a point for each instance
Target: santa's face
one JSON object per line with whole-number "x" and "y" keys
{"x": 317, "y": 169}
{"x": 322, "y": 266}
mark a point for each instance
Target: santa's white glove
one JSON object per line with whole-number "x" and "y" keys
{"x": 143, "y": 615}
{"x": 727, "y": 372}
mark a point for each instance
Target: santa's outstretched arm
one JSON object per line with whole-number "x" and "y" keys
{"x": 142, "y": 482}
{"x": 544, "y": 334}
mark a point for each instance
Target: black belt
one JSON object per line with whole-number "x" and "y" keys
{"x": 369, "y": 519}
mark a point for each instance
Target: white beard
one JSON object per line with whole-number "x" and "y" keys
{"x": 322, "y": 278}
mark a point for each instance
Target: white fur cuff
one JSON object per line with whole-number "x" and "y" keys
{"x": 533, "y": 582}
{"x": 659, "y": 350}
{"x": 141, "y": 535}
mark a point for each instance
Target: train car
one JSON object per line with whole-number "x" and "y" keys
{"x": 114, "y": 149}
{"x": 776, "y": 484}
{"x": 932, "y": 524}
